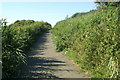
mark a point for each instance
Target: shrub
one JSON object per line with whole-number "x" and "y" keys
{"x": 94, "y": 38}
{"x": 16, "y": 41}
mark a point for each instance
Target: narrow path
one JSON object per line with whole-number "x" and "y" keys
{"x": 45, "y": 62}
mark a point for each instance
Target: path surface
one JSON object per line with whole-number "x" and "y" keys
{"x": 45, "y": 62}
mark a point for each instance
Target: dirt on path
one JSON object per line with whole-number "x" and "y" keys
{"x": 44, "y": 62}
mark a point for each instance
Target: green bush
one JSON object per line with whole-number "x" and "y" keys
{"x": 16, "y": 41}
{"x": 94, "y": 39}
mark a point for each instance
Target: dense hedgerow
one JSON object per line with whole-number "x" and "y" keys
{"x": 16, "y": 41}
{"x": 92, "y": 40}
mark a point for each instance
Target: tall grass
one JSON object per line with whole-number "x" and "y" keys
{"x": 16, "y": 41}
{"x": 92, "y": 40}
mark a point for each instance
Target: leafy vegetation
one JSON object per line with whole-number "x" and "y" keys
{"x": 16, "y": 41}
{"x": 92, "y": 40}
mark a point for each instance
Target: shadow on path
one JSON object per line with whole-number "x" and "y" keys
{"x": 37, "y": 66}
{"x": 44, "y": 62}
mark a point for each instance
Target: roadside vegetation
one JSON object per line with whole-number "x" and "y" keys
{"x": 17, "y": 39}
{"x": 92, "y": 40}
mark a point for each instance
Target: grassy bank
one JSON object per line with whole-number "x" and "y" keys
{"x": 17, "y": 39}
{"x": 92, "y": 40}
